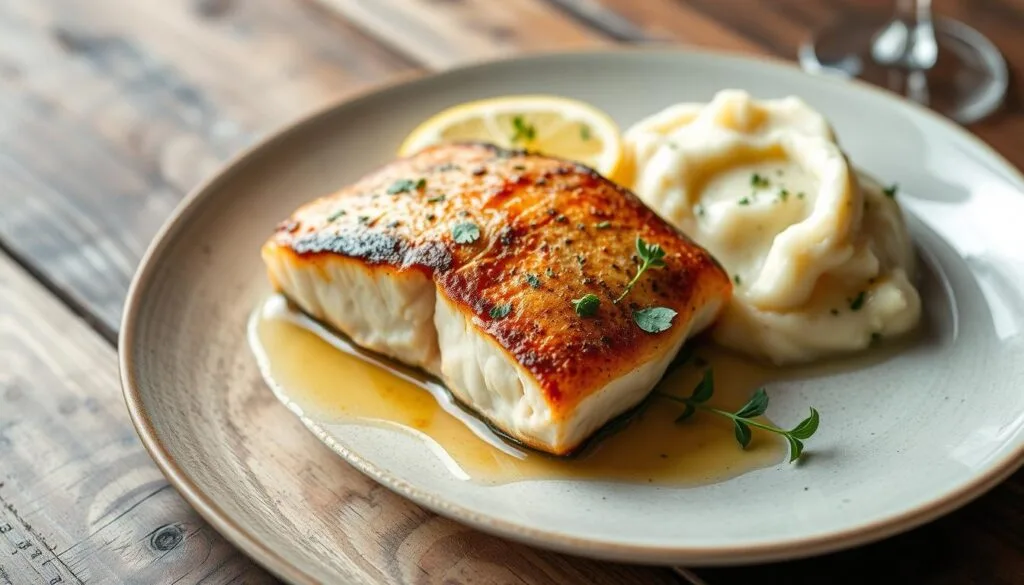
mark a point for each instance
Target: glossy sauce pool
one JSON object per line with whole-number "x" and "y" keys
{"x": 332, "y": 381}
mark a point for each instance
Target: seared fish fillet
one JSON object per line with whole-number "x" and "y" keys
{"x": 464, "y": 259}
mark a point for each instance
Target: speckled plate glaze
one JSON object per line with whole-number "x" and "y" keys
{"x": 903, "y": 440}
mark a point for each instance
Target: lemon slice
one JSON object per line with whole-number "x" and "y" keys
{"x": 552, "y": 125}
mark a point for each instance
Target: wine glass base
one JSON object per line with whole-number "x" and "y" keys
{"x": 967, "y": 83}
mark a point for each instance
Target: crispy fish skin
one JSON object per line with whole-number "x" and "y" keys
{"x": 534, "y": 233}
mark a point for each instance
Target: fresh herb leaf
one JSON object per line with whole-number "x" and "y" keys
{"x": 654, "y": 319}
{"x": 549, "y": 272}
{"x": 700, "y": 210}
{"x": 603, "y": 225}
{"x": 756, "y": 406}
{"x": 742, "y": 433}
{"x": 807, "y": 427}
{"x": 736, "y": 278}
{"x": 651, "y": 256}
{"x": 890, "y": 191}
{"x": 745, "y": 201}
{"x": 704, "y": 389}
{"x": 336, "y": 215}
{"x": 746, "y": 417}
{"x": 436, "y": 198}
{"x": 533, "y": 280}
{"x": 586, "y": 305}
{"x": 796, "y": 448}
{"x": 757, "y": 180}
{"x": 523, "y": 132}
{"x": 501, "y": 310}
{"x": 421, "y": 184}
{"x": 858, "y": 301}
{"x": 402, "y": 186}
{"x": 465, "y": 232}
{"x": 783, "y": 194}
{"x": 688, "y": 411}
{"x": 800, "y": 195}
{"x": 584, "y": 132}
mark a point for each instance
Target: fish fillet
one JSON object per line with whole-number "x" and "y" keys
{"x": 463, "y": 260}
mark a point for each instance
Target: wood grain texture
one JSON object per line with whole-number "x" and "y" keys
{"x": 110, "y": 111}
{"x": 80, "y": 500}
{"x": 442, "y": 34}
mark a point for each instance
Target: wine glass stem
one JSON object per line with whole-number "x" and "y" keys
{"x": 908, "y": 40}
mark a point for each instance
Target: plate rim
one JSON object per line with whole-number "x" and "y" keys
{"x": 649, "y": 554}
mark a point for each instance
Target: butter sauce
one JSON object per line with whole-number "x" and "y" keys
{"x": 332, "y": 380}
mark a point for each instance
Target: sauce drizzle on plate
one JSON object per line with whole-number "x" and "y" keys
{"x": 329, "y": 379}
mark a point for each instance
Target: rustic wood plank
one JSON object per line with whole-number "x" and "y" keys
{"x": 80, "y": 500}
{"x": 442, "y": 34}
{"x": 110, "y": 111}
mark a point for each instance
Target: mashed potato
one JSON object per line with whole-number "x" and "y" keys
{"x": 820, "y": 256}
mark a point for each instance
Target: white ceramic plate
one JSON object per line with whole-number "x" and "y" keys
{"x": 902, "y": 441}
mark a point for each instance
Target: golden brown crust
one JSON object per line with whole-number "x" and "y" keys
{"x": 549, "y": 231}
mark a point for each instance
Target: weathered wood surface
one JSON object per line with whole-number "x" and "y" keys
{"x": 111, "y": 110}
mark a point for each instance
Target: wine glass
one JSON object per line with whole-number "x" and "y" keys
{"x": 941, "y": 63}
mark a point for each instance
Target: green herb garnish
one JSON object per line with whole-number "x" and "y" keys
{"x": 757, "y": 180}
{"x": 421, "y": 184}
{"x": 403, "y": 186}
{"x": 584, "y": 132}
{"x": 603, "y": 225}
{"x": 654, "y": 319}
{"x": 436, "y": 198}
{"x": 783, "y": 194}
{"x": 466, "y": 232}
{"x": 743, "y": 418}
{"x": 858, "y": 301}
{"x": 523, "y": 132}
{"x": 548, "y": 271}
{"x": 336, "y": 215}
{"x": 800, "y": 195}
{"x": 501, "y": 310}
{"x": 736, "y": 278}
{"x": 651, "y": 255}
{"x": 745, "y": 201}
{"x": 586, "y": 305}
{"x": 890, "y": 191}
{"x": 533, "y": 280}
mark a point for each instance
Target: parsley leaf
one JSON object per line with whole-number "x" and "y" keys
{"x": 757, "y": 180}
{"x": 890, "y": 191}
{"x": 532, "y": 280}
{"x": 501, "y": 310}
{"x": 584, "y": 132}
{"x": 465, "y": 232}
{"x": 654, "y": 319}
{"x": 586, "y": 306}
{"x": 402, "y": 186}
{"x": 858, "y": 301}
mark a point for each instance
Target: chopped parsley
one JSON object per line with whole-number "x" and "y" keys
{"x": 700, "y": 210}
{"x": 501, "y": 310}
{"x": 466, "y": 232}
{"x": 757, "y": 181}
{"x": 523, "y": 132}
{"x": 584, "y": 132}
{"x": 890, "y": 191}
{"x": 783, "y": 194}
{"x": 858, "y": 301}
{"x": 533, "y": 280}
{"x": 586, "y": 306}
{"x": 800, "y": 195}
{"x": 404, "y": 186}
{"x": 336, "y": 215}
{"x": 736, "y": 278}
{"x": 549, "y": 272}
{"x": 603, "y": 225}
{"x": 421, "y": 184}
{"x": 436, "y": 198}
{"x": 745, "y": 201}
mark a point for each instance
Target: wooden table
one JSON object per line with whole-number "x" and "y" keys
{"x": 111, "y": 110}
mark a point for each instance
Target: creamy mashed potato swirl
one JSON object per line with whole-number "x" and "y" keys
{"x": 820, "y": 255}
